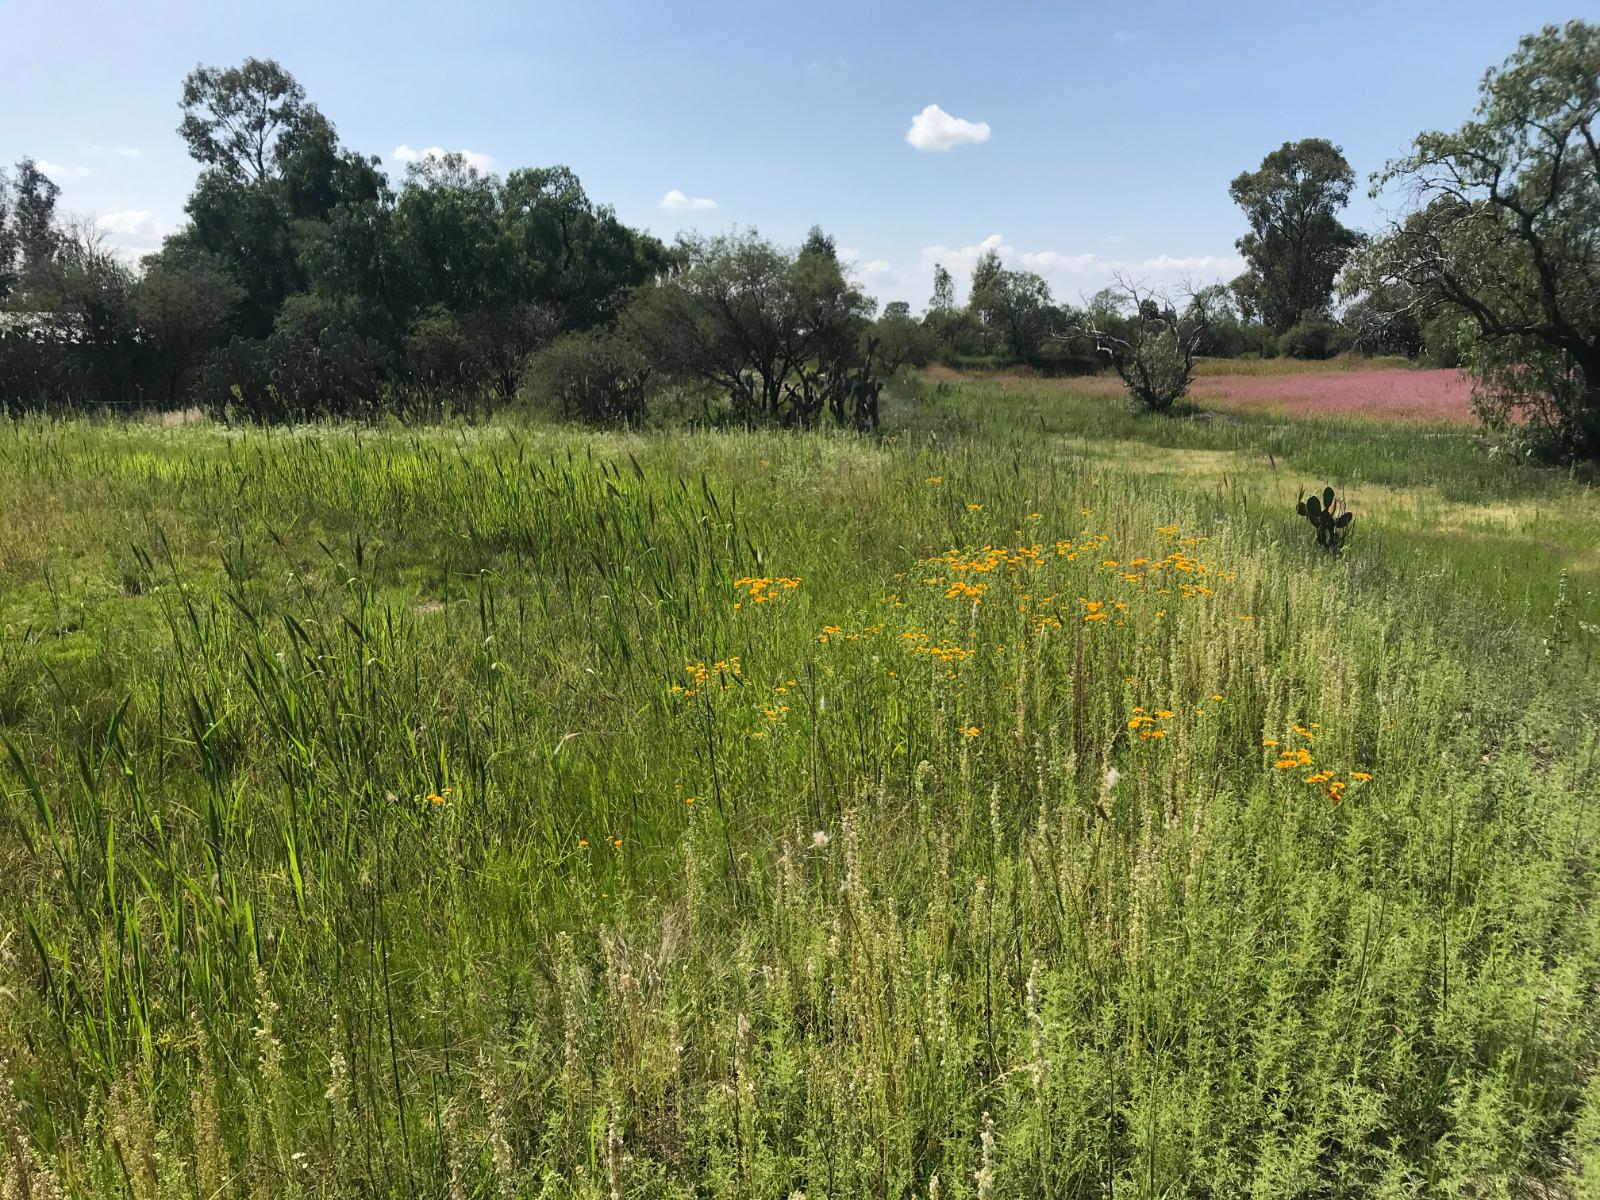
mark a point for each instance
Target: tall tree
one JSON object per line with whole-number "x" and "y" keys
{"x": 1296, "y": 245}
{"x": 986, "y": 274}
{"x": 238, "y": 119}
{"x": 1505, "y": 235}
{"x": 8, "y": 238}
{"x": 944, "y": 290}
{"x": 274, "y": 175}
{"x": 33, "y": 218}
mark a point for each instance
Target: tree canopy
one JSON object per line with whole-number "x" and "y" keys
{"x": 1505, "y": 233}
{"x": 1296, "y": 245}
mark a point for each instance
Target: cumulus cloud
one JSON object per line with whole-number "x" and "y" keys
{"x": 933, "y": 129}
{"x": 132, "y": 233}
{"x": 132, "y": 223}
{"x": 877, "y": 275}
{"x": 404, "y": 153}
{"x": 61, "y": 171}
{"x": 676, "y": 201}
{"x": 1073, "y": 274}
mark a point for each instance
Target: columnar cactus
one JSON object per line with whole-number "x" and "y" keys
{"x": 1332, "y": 525}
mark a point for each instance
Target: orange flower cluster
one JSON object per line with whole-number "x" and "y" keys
{"x": 762, "y": 590}
{"x": 1148, "y": 725}
{"x": 726, "y": 671}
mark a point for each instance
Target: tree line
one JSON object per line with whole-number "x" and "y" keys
{"x": 304, "y": 282}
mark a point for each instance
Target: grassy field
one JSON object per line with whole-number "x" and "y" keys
{"x": 1017, "y": 806}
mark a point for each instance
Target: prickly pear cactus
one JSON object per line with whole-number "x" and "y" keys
{"x": 1328, "y": 517}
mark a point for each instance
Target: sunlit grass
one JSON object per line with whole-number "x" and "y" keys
{"x": 522, "y": 812}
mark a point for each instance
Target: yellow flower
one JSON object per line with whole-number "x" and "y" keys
{"x": 971, "y": 507}
{"x": 435, "y": 798}
{"x": 971, "y": 731}
{"x": 583, "y": 841}
{"x": 1360, "y": 775}
{"x": 1164, "y": 713}
{"x": 935, "y": 480}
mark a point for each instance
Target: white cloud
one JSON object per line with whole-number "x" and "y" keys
{"x": 676, "y": 201}
{"x": 1071, "y": 275}
{"x": 933, "y": 129}
{"x": 133, "y": 224}
{"x": 132, "y": 233}
{"x": 404, "y": 153}
{"x": 60, "y": 171}
{"x": 877, "y": 275}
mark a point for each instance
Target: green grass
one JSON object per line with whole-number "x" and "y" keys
{"x": 936, "y": 912}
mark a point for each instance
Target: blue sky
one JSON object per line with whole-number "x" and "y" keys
{"x": 1113, "y": 130}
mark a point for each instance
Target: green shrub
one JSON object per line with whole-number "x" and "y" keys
{"x": 1314, "y": 336}
{"x": 596, "y": 378}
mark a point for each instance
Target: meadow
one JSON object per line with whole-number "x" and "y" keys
{"x": 1016, "y": 805}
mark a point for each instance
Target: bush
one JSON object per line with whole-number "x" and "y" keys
{"x": 294, "y": 376}
{"x": 595, "y": 377}
{"x": 1314, "y": 336}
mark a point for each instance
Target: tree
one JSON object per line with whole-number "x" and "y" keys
{"x": 1152, "y": 346}
{"x": 784, "y": 335}
{"x": 1503, "y": 234}
{"x": 1385, "y": 317}
{"x": 944, "y": 290}
{"x": 31, "y": 239}
{"x": 240, "y": 119}
{"x": 1018, "y": 304}
{"x": 275, "y": 174}
{"x": 84, "y": 295}
{"x": 185, "y": 302}
{"x": 8, "y": 239}
{"x": 986, "y": 274}
{"x": 1296, "y": 245}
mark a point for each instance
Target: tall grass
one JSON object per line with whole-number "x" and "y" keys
{"x": 516, "y": 813}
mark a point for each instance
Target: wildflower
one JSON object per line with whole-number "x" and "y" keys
{"x": 1110, "y": 779}
{"x": 1270, "y": 742}
{"x": 820, "y": 840}
{"x": 1218, "y": 696}
{"x": 1164, "y": 713}
{"x": 935, "y": 480}
{"x": 583, "y": 841}
{"x": 616, "y": 843}
{"x": 691, "y": 800}
{"x": 971, "y": 731}
{"x": 1360, "y": 776}
{"x": 435, "y": 798}
{"x": 971, "y": 507}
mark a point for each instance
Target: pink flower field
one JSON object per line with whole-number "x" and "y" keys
{"x": 1394, "y": 394}
{"x": 1397, "y": 395}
